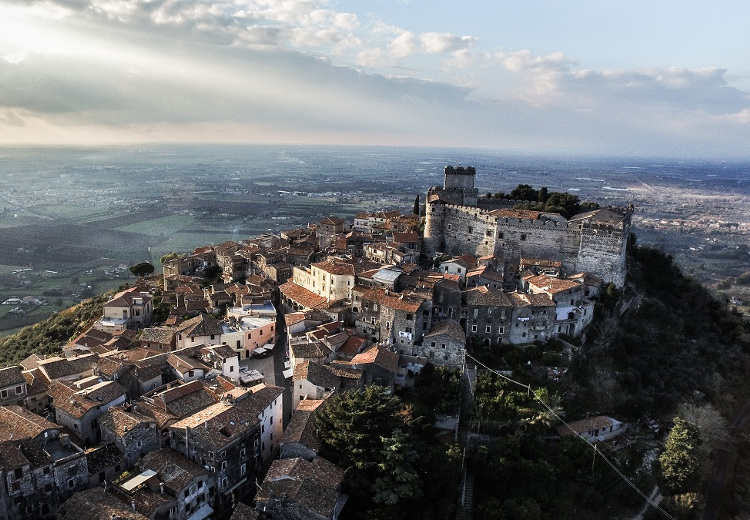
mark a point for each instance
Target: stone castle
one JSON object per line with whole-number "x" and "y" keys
{"x": 593, "y": 242}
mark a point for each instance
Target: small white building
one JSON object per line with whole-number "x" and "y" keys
{"x": 593, "y": 429}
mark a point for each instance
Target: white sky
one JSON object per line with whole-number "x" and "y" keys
{"x": 656, "y": 77}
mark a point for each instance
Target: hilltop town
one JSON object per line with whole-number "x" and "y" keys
{"x": 193, "y": 394}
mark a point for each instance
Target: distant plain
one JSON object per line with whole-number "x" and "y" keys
{"x": 73, "y": 219}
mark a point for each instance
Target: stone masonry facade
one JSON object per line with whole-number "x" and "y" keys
{"x": 593, "y": 242}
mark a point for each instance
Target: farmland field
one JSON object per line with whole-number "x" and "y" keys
{"x": 86, "y": 214}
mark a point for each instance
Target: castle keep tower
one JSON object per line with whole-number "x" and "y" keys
{"x": 458, "y": 189}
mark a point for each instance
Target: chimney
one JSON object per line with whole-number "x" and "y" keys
{"x": 161, "y": 487}
{"x": 132, "y": 504}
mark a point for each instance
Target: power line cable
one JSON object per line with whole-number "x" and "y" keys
{"x": 596, "y": 451}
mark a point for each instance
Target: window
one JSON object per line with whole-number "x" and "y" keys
{"x": 500, "y": 330}
{"x": 523, "y": 236}
{"x": 473, "y": 328}
{"x": 471, "y": 229}
{"x": 187, "y": 492}
{"x": 224, "y": 465}
{"x": 409, "y": 317}
{"x": 442, "y": 345}
{"x": 18, "y": 473}
{"x": 19, "y": 390}
{"x": 3, "y": 393}
{"x": 71, "y": 483}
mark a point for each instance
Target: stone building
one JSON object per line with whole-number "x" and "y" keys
{"x": 235, "y": 438}
{"x": 80, "y": 410}
{"x": 445, "y": 345}
{"x": 594, "y": 241}
{"x": 12, "y": 386}
{"x": 133, "y": 434}
{"x": 40, "y": 467}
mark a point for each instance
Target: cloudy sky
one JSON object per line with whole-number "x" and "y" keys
{"x": 643, "y": 77}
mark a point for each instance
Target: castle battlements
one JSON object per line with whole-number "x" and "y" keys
{"x": 594, "y": 241}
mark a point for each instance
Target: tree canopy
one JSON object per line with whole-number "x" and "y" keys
{"x": 141, "y": 269}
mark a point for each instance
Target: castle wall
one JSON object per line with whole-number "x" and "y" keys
{"x": 603, "y": 252}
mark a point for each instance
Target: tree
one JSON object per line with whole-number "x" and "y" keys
{"x": 142, "y": 269}
{"x": 166, "y": 258}
{"x": 711, "y": 426}
{"x": 353, "y": 423}
{"x": 524, "y": 192}
{"x": 416, "y": 206}
{"x": 397, "y": 477}
{"x": 680, "y": 461}
{"x": 543, "y": 194}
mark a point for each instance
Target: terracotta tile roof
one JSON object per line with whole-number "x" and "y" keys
{"x": 96, "y": 504}
{"x": 222, "y": 351}
{"x": 183, "y": 363}
{"x": 520, "y": 300}
{"x": 128, "y": 298}
{"x": 31, "y": 362}
{"x": 293, "y": 318}
{"x": 486, "y": 297}
{"x": 224, "y": 422}
{"x": 161, "y": 417}
{"x": 351, "y": 346}
{"x": 449, "y": 328}
{"x": 11, "y": 376}
{"x": 397, "y": 301}
{"x": 313, "y": 485}
{"x": 315, "y": 374}
{"x": 103, "y": 457}
{"x": 91, "y": 338}
{"x": 310, "y": 350}
{"x": 172, "y": 468}
{"x": 77, "y": 403}
{"x": 551, "y": 284}
{"x": 201, "y": 325}
{"x": 36, "y": 383}
{"x": 584, "y": 425}
{"x": 16, "y": 424}
{"x": 107, "y": 366}
{"x": 344, "y": 371}
{"x": 162, "y": 335}
{"x": 379, "y": 356}
{"x": 405, "y": 238}
{"x": 332, "y": 221}
{"x": 302, "y": 296}
{"x": 120, "y": 421}
{"x": 334, "y": 266}
{"x": 56, "y": 368}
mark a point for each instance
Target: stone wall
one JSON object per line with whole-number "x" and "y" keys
{"x": 456, "y": 229}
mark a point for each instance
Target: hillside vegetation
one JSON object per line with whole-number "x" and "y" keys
{"x": 48, "y": 336}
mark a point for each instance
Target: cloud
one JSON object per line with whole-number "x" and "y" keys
{"x": 260, "y": 69}
{"x": 443, "y": 43}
